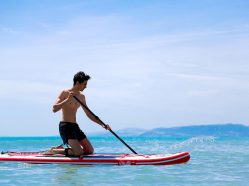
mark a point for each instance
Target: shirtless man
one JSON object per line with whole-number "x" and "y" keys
{"x": 70, "y": 132}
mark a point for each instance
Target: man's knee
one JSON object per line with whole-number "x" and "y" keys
{"x": 89, "y": 151}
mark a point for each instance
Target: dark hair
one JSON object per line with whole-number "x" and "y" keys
{"x": 80, "y": 77}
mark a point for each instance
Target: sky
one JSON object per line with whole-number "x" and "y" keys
{"x": 153, "y": 63}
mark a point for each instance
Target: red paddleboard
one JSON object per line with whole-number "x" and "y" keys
{"x": 96, "y": 159}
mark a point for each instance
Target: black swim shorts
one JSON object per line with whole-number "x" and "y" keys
{"x": 70, "y": 131}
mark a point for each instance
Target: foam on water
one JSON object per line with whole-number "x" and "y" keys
{"x": 193, "y": 144}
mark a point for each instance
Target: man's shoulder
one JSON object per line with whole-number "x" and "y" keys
{"x": 64, "y": 92}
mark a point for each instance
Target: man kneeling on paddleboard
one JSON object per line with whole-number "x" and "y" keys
{"x": 68, "y": 101}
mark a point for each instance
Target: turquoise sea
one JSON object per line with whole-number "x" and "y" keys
{"x": 214, "y": 161}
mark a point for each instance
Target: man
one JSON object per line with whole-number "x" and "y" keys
{"x": 68, "y": 127}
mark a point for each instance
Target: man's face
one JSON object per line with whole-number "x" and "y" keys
{"x": 82, "y": 85}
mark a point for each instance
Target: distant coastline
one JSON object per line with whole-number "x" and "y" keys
{"x": 219, "y": 130}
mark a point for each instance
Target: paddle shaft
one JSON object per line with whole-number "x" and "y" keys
{"x": 104, "y": 124}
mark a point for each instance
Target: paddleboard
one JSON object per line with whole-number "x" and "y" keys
{"x": 96, "y": 159}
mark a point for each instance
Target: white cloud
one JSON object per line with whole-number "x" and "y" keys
{"x": 197, "y": 77}
{"x": 8, "y": 30}
{"x": 204, "y": 93}
{"x": 29, "y": 91}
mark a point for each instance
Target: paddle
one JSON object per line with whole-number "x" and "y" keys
{"x": 104, "y": 124}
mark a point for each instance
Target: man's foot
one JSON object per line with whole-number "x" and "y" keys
{"x": 52, "y": 150}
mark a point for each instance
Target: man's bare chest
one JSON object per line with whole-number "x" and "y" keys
{"x": 72, "y": 103}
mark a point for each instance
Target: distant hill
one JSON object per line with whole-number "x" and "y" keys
{"x": 225, "y": 130}
{"x": 219, "y": 130}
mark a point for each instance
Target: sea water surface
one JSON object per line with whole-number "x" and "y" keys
{"x": 214, "y": 161}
